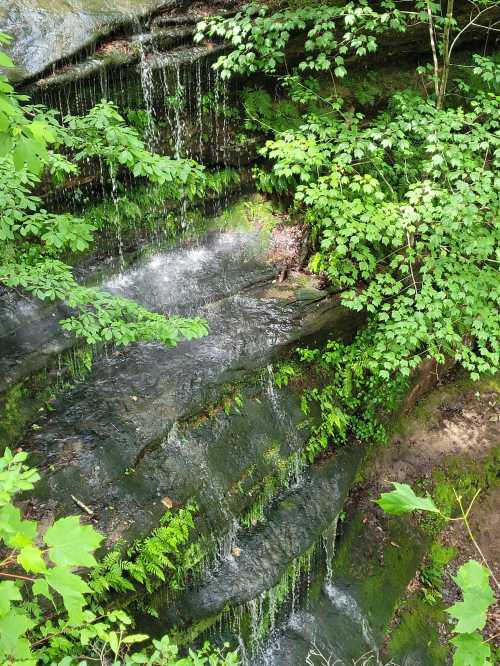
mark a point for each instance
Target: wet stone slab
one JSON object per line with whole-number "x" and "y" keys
{"x": 292, "y": 526}
{"x": 344, "y": 620}
{"x": 116, "y": 441}
{"x": 46, "y": 31}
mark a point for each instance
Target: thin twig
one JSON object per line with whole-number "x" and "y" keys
{"x": 16, "y": 576}
{"x": 476, "y": 545}
{"x": 82, "y": 505}
{"x": 434, "y": 50}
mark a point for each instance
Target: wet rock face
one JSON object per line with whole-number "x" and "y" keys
{"x": 45, "y": 31}
{"x": 344, "y": 619}
{"x": 294, "y": 524}
{"x": 135, "y": 430}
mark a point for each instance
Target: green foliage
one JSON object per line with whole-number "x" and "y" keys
{"x": 403, "y": 210}
{"x": 404, "y": 500}
{"x": 146, "y": 561}
{"x": 52, "y": 557}
{"x": 24, "y": 138}
{"x": 103, "y": 133}
{"x": 40, "y": 569}
{"x": 283, "y": 373}
{"x": 34, "y": 239}
{"x": 431, "y": 576}
{"x": 473, "y": 580}
{"x": 352, "y": 400}
{"x": 403, "y": 207}
{"x": 99, "y": 317}
{"x": 332, "y": 33}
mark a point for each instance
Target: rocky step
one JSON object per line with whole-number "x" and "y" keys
{"x": 48, "y": 33}
{"x": 262, "y": 556}
{"x": 135, "y": 429}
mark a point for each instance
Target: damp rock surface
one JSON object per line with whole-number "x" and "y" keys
{"x": 135, "y": 429}
{"x": 46, "y": 31}
{"x": 343, "y": 621}
{"x": 260, "y": 558}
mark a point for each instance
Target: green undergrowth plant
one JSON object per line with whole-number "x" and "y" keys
{"x": 431, "y": 575}
{"x": 49, "y": 613}
{"x": 353, "y": 402}
{"x": 403, "y": 206}
{"x": 284, "y": 471}
{"x": 472, "y": 578}
{"x": 162, "y": 557}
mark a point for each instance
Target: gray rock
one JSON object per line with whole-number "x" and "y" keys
{"x": 45, "y": 31}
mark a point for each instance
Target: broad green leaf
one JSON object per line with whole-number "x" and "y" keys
{"x": 5, "y": 61}
{"x": 474, "y": 577}
{"x": 71, "y": 588}
{"x": 23, "y": 152}
{"x": 30, "y": 558}
{"x": 473, "y": 580}
{"x": 41, "y": 587}
{"x": 13, "y": 627}
{"x": 403, "y": 500}
{"x": 8, "y": 592}
{"x": 113, "y": 642}
{"x": 15, "y": 531}
{"x": 471, "y": 650}
{"x": 135, "y": 638}
{"x": 71, "y": 543}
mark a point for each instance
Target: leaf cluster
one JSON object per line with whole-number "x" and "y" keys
{"x": 259, "y": 37}
{"x": 49, "y": 613}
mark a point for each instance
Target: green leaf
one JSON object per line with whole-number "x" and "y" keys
{"x": 16, "y": 532}
{"x": 5, "y": 61}
{"x": 30, "y": 558}
{"x": 41, "y": 587}
{"x": 471, "y": 650}
{"x": 71, "y": 588}
{"x": 135, "y": 638}
{"x": 12, "y": 630}
{"x": 22, "y": 153}
{"x": 71, "y": 543}
{"x": 114, "y": 642}
{"x": 403, "y": 500}
{"x": 8, "y": 592}
{"x": 473, "y": 580}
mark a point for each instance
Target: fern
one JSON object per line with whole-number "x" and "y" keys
{"x": 147, "y": 560}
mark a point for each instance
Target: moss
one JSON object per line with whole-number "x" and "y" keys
{"x": 417, "y": 631}
{"x": 144, "y": 210}
{"x": 459, "y": 475}
{"x": 378, "y": 565}
{"x": 13, "y": 417}
{"x": 27, "y": 401}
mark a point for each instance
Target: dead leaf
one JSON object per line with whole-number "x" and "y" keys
{"x": 236, "y": 551}
{"x": 167, "y": 502}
